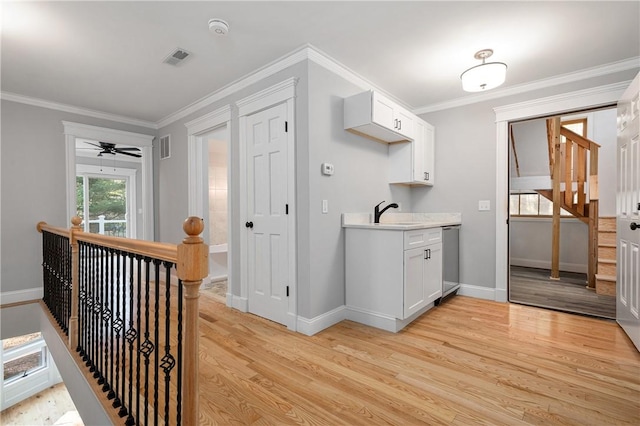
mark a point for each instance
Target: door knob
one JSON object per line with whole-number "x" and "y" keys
{"x": 634, "y": 226}
{"x": 249, "y": 224}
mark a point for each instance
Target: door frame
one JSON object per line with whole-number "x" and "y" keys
{"x": 73, "y": 131}
{"x": 283, "y": 92}
{"x": 198, "y": 186}
{"x": 536, "y": 108}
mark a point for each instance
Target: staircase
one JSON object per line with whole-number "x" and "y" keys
{"x": 606, "y": 275}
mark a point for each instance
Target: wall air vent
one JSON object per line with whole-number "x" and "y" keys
{"x": 165, "y": 147}
{"x": 177, "y": 57}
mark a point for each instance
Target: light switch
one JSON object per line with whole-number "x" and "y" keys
{"x": 484, "y": 205}
{"x": 325, "y": 206}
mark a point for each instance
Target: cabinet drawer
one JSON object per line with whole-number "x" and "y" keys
{"x": 422, "y": 237}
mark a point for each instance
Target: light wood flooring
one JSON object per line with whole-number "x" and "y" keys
{"x": 532, "y": 286}
{"x": 52, "y": 406}
{"x": 468, "y": 361}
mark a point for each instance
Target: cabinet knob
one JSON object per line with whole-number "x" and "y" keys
{"x": 634, "y": 226}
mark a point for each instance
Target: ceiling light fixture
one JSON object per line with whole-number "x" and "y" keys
{"x": 485, "y": 76}
{"x": 218, "y": 27}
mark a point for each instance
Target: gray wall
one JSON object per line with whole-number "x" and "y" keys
{"x": 465, "y": 146}
{"x": 360, "y": 181}
{"x": 33, "y": 184}
{"x": 532, "y": 149}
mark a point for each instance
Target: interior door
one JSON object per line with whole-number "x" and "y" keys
{"x": 628, "y": 213}
{"x": 266, "y": 224}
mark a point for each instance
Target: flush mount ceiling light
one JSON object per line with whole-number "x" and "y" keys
{"x": 218, "y": 27}
{"x": 485, "y": 76}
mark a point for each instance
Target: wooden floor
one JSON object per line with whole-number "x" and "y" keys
{"x": 532, "y": 286}
{"x": 467, "y": 361}
{"x": 52, "y": 406}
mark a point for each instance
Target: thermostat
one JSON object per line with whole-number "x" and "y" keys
{"x": 327, "y": 169}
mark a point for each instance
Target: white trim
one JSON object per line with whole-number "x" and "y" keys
{"x": 611, "y": 68}
{"x": 17, "y": 296}
{"x": 382, "y": 321}
{"x": 306, "y": 52}
{"x": 269, "y": 97}
{"x": 546, "y": 264}
{"x": 567, "y": 102}
{"x": 144, "y": 142}
{"x": 479, "y": 292}
{"x": 42, "y": 103}
{"x": 321, "y": 322}
{"x": 238, "y": 302}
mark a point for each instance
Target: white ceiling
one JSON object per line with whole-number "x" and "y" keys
{"x": 107, "y": 56}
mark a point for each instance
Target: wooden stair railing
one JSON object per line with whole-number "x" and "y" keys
{"x": 568, "y": 163}
{"x": 92, "y": 284}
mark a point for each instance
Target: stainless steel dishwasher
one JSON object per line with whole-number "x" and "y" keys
{"x": 450, "y": 261}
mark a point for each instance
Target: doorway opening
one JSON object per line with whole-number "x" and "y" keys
{"x": 542, "y": 272}
{"x": 216, "y": 172}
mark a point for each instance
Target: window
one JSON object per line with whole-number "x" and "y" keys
{"x": 23, "y": 356}
{"x": 532, "y": 204}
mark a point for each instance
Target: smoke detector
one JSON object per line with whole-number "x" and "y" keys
{"x": 218, "y": 27}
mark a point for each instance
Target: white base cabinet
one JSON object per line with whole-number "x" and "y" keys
{"x": 392, "y": 276}
{"x": 412, "y": 163}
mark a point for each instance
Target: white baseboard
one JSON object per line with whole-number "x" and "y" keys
{"x": 384, "y": 322}
{"x": 545, "y": 264}
{"x": 477, "y": 291}
{"x": 17, "y": 296}
{"x": 319, "y": 323}
{"x": 239, "y": 303}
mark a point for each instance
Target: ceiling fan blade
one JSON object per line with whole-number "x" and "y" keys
{"x": 127, "y": 149}
{"x": 127, "y": 153}
{"x": 99, "y": 146}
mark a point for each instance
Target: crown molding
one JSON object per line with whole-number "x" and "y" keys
{"x": 42, "y": 103}
{"x": 611, "y": 68}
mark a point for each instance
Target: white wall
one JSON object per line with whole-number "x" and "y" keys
{"x": 33, "y": 185}
{"x": 530, "y": 245}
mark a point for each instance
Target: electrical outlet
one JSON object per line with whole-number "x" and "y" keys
{"x": 484, "y": 205}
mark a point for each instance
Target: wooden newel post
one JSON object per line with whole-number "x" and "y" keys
{"x": 192, "y": 267}
{"x": 75, "y": 283}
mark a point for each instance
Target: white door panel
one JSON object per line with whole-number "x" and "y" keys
{"x": 628, "y": 213}
{"x": 267, "y": 248}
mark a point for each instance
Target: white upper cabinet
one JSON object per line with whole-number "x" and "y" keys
{"x": 412, "y": 163}
{"x": 371, "y": 114}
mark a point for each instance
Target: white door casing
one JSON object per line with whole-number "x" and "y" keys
{"x": 144, "y": 142}
{"x": 573, "y": 101}
{"x": 628, "y": 213}
{"x": 267, "y": 186}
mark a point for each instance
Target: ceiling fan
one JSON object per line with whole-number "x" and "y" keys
{"x": 110, "y": 148}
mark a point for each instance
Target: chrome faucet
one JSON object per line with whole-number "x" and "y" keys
{"x": 377, "y": 212}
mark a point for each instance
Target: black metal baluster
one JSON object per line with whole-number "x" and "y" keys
{"x": 117, "y": 327}
{"x": 147, "y": 346}
{"x": 99, "y": 321}
{"x": 179, "y": 350}
{"x": 90, "y": 303}
{"x": 138, "y": 322}
{"x": 131, "y": 335}
{"x": 168, "y": 361}
{"x": 106, "y": 316}
{"x": 156, "y": 338}
{"x": 82, "y": 255}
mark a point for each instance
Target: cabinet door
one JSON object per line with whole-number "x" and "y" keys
{"x": 418, "y": 153}
{"x": 415, "y": 297}
{"x": 383, "y": 112}
{"x": 433, "y": 273}
{"x": 428, "y": 154}
{"x": 405, "y": 122}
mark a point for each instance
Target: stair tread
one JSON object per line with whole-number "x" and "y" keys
{"x": 606, "y": 245}
{"x": 609, "y": 261}
{"x": 605, "y": 277}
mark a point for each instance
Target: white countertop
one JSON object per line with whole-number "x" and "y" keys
{"x": 401, "y": 221}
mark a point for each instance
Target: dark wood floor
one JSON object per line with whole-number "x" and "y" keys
{"x": 531, "y": 286}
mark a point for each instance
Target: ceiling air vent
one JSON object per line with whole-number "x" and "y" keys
{"x": 177, "y": 57}
{"x": 165, "y": 147}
